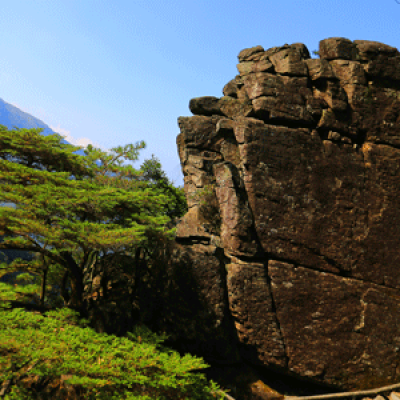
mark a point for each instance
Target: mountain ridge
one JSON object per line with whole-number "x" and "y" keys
{"x": 13, "y": 117}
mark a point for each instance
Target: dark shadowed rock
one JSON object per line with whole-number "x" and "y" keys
{"x": 301, "y": 160}
{"x": 319, "y": 68}
{"x": 368, "y": 50}
{"x": 207, "y": 105}
{"x": 249, "y": 67}
{"x": 290, "y": 60}
{"x": 337, "y": 49}
{"x": 252, "y": 53}
{"x": 231, "y": 88}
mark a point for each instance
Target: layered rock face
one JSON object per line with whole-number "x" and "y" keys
{"x": 293, "y": 230}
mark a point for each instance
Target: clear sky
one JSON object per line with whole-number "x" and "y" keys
{"x": 113, "y": 72}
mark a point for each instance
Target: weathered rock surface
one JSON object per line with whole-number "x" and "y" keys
{"x": 299, "y": 257}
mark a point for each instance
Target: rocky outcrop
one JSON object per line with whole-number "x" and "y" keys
{"x": 293, "y": 230}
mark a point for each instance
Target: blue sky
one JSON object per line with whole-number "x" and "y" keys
{"x": 113, "y": 72}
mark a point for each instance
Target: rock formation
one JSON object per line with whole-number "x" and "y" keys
{"x": 292, "y": 236}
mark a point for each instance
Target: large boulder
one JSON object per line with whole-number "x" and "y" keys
{"x": 293, "y": 230}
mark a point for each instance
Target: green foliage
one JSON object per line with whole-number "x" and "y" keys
{"x": 152, "y": 173}
{"x": 22, "y": 292}
{"x": 63, "y": 206}
{"x": 46, "y": 347}
{"x": 315, "y": 52}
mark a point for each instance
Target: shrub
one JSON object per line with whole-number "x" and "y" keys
{"x": 54, "y": 354}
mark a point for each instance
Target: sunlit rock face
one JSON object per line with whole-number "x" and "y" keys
{"x": 293, "y": 184}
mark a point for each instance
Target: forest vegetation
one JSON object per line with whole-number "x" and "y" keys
{"x": 61, "y": 212}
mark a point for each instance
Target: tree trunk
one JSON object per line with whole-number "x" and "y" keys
{"x": 64, "y": 291}
{"x": 43, "y": 288}
{"x": 76, "y": 275}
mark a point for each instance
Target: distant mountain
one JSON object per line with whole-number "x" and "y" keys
{"x": 11, "y": 117}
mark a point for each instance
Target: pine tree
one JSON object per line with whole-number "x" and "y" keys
{"x": 70, "y": 209}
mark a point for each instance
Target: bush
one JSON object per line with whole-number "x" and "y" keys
{"x": 56, "y": 355}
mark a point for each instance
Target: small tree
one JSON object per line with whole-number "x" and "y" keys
{"x": 152, "y": 173}
{"x": 70, "y": 209}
